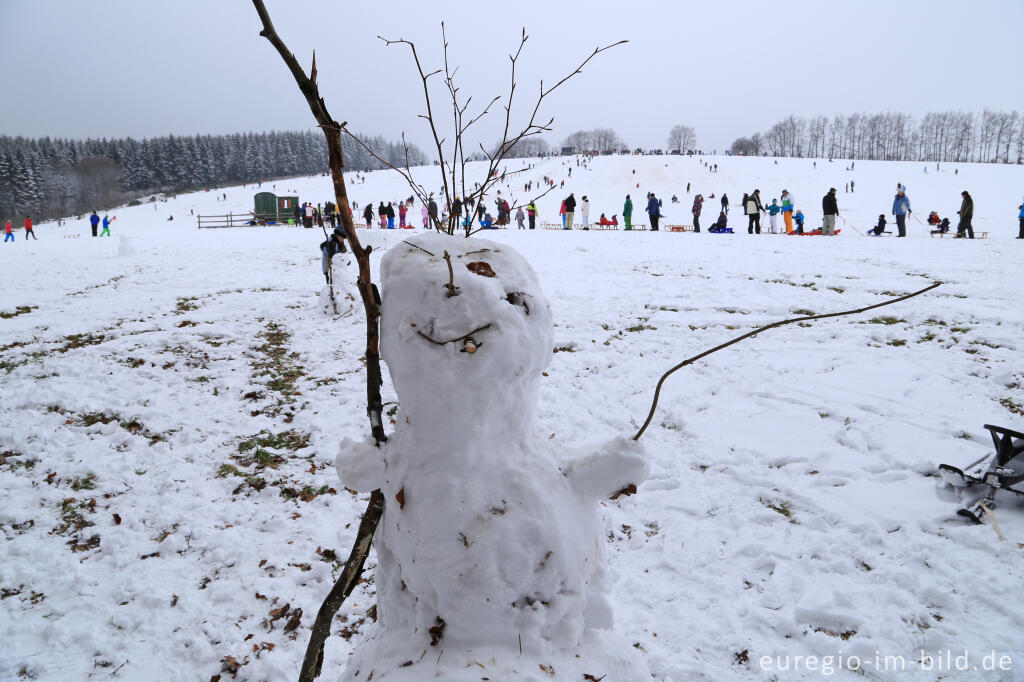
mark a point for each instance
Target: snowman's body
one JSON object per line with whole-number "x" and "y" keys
{"x": 491, "y": 544}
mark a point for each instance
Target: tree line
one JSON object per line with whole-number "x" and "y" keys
{"x": 955, "y": 136}
{"x": 49, "y": 177}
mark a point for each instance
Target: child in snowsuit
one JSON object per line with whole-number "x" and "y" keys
{"x": 773, "y": 212}
{"x": 106, "y": 226}
{"x": 8, "y": 232}
{"x": 880, "y": 227}
{"x": 798, "y": 217}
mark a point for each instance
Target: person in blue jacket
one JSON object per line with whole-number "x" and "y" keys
{"x": 1020, "y": 217}
{"x": 654, "y": 210}
{"x": 94, "y": 220}
{"x": 901, "y": 209}
{"x": 798, "y": 218}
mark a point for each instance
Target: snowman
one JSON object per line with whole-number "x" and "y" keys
{"x": 490, "y": 561}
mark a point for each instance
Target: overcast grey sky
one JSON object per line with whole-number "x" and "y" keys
{"x": 112, "y": 68}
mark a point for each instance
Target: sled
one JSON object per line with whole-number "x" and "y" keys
{"x": 679, "y": 228}
{"x": 607, "y": 226}
{"x": 960, "y": 235}
{"x": 716, "y": 230}
{"x": 816, "y": 233}
{"x": 551, "y": 226}
{"x": 638, "y": 226}
{"x": 1002, "y": 471}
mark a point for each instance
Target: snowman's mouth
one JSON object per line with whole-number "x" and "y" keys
{"x": 469, "y": 344}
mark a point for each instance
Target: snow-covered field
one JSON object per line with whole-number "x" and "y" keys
{"x": 169, "y": 421}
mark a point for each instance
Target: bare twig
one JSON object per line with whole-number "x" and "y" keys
{"x": 461, "y": 338}
{"x": 452, "y": 289}
{"x": 688, "y": 361}
{"x": 313, "y": 660}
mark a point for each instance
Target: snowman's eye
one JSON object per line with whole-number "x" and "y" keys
{"x": 518, "y": 298}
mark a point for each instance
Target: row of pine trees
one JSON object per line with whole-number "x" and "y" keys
{"x": 51, "y": 178}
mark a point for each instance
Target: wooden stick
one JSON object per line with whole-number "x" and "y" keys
{"x": 689, "y": 361}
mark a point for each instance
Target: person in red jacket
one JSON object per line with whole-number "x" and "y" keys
{"x": 28, "y": 228}
{"x": 8, "y": 232}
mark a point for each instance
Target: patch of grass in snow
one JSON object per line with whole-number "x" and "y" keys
{"x": 804, "y": 311}
{"x": 1012, "y": 406}
{"x": 185, "y": 304}
{"x": 959, "y": 330}
{"x": 73, "y": 341}
{"x": 897, "y": 342}
{"x": 134, "y": 363}
{"x": 285, "y": 440}
{"x": 929, "y": 336}
{"x": 19, "y": 310}
{"x": 71, "y": 515}
{"x": 988, "y": 344}
{"x": 83, "y": 482}
{"x": 281, "y": 367}
{"x": 838, "y": 290}
{"x": 784, "y": 507}
{"x": 886, "y": 320}
{"x": 12, "y": 459}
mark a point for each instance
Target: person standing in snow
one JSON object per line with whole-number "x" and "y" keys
{"x": 402, "y": 210}
{"x": 773, "y": 211}
{"x": 966, "y": 213}
{"x": 29, "y": 231}
{"x": 698, "y": 204}
{"x": 585, "y": 212}
{"x": 627, "y": 213}
{"x": 432, "y": 209}
{"x": 391, "y": 216}
{"x": 830, "y": 208}
{"x": 531, "y": 214}
{"x": 725, "y": 203}
{"x": 753, "y": 208}
{"x": 307, "y": 219}
{"x": 520, "y": 217}
{"x": 106, "y": 226}
{"x": 901, "y": 209}
{"x": 94, "y": 220}
{"x": 570, "y": 210}
{"x": 425, "y": 212}
{"x": 382, "y": 213}
{"x": 654, "y": 211}
{"x": 9, "y": 232}
{"x": 787, "y": 210}
{"x": 368, "y": 215}
{"x": 1020, "y": 218}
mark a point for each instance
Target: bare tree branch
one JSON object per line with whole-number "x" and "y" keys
{"x": 695, "y": 358}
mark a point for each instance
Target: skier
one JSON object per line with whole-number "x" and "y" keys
{"x": 627, "y": 213}
{"x": 698, "y": 204}
{"x": 830, "y": 208}
{"x": 901, "y": 209}
{"x": 966, "y": 213}
{"x": 368, "y": 215}
{"x": 773, "y": 212}
{"x": 520, "y": 217}
{"x": 106, "y": 226}
{"x": 29, "y": 231}
{"x": 585, "y": 211}
{"x": 787, "y": 210}
{"x": 531, "y": 212}
{"x": 570, "y": 209}
{"x": 654, "y": 210}
{"x": 94, "y": 220}
{"x": 753, "y": 208}
{"x": 9, "y": 232}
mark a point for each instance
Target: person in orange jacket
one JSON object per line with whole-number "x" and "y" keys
{"x": 28, "y": 228}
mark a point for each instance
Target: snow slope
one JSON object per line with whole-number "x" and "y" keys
{"x": 169, "y": 420}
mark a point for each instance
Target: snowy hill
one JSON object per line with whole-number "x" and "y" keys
{"x": 170, "y": 417}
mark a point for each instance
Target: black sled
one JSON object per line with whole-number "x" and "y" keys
{"x": 1002, "y": 471}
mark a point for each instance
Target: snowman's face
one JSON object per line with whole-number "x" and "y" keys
{"x": 495, "y": 327}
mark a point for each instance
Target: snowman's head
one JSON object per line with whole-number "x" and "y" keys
{"x": 477, "y": 332}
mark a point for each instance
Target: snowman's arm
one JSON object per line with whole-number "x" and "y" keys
{"x": 609, "y": 468}
{"x": 361, "y": 465}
